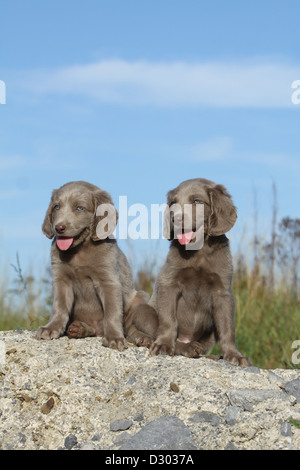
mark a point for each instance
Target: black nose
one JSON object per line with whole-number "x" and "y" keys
{"x": 60, "y": 228}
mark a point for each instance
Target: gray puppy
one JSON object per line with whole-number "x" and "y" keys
{"x": 192, "y": 306}
{"x": 92, "y": 281}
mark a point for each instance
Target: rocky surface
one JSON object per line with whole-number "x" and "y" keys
{"x": 76, "y": 394}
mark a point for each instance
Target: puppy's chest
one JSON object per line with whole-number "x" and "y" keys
{"x": 196, "y": 282}
{"x": 83, "y": 279}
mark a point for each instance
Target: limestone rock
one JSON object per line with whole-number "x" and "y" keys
{"x": 67, "y": 394}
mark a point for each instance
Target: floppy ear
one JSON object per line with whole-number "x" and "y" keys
{"x": 47, "y": 226}
{"x": 222, "y": 211}
{"x": 105, "y": 216}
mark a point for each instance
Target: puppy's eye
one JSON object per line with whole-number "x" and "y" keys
{"x": 197, "y": 201}
{"x": 79, "y": 208}
{"x": 56, "y": 207}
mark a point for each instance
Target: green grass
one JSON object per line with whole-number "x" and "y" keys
{"x": 267, "y": 323}
{"x": 26, "y": 301}
{"x": 295, "y": 423}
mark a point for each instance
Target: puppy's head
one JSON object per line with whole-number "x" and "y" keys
{"x": 196, "y": 208}
{"x": 79, "y": 210}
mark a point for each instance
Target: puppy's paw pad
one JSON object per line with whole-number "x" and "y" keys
{"x": 76, "y": 330}
{"x": 144, "y": 341}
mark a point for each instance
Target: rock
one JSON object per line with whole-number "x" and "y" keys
{"x": 253, "y": 370}
{"x": 168, "y": 433}
{"x": 286, "y": 429}
{"x": 88, "y": 446}
{"x": 47, "y": 407}
{"x": 231, "y": 446}
{"x": 174, "y": 387}
{"x": 122, "y": 439}
{"x": 205, "y": 417}
{"x": 77, "y": 394}
{"x": 293, "y": 388}
{"x": 248, "y": 398}
{"x": 232, "y": 415}
{"x": 120, "y": 425}
{"x": 22, "y": 438}
{"x": 70, "y": 441}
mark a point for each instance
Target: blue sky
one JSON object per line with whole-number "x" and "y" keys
{"x": 136, "y": 96}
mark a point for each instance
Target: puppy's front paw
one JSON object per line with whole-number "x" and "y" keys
{"x": 79, "y": 329}
{"x": 192, "y": 349}
{"x": 140, "y": 339}
{"x": 144, "y": 340}
{"x": 163, "y": 346}
{"x": 237, "y": 359}
{"x": 46, "y": 332}
{"x": 115, "y": 343}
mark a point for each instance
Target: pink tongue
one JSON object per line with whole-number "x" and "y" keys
{"x": 64, "y": 243}
{"x": 185, "y": 238}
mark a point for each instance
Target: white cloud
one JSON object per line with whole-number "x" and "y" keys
{"x": 217, "y": 84}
